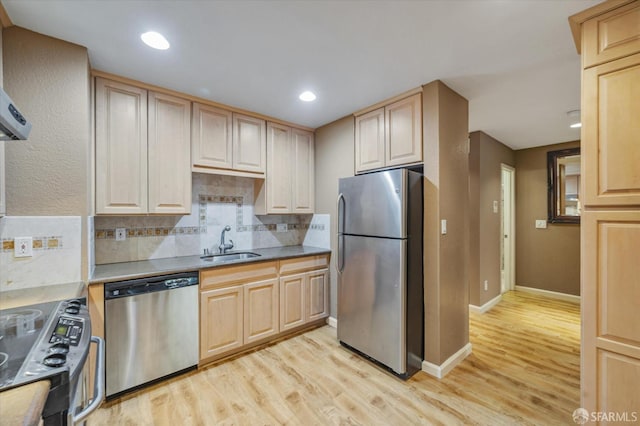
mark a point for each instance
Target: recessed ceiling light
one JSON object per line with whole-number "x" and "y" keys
{"x": 574, "y": 119}
{"x": 307, "y": 96}
{"x": 155, "y": 40}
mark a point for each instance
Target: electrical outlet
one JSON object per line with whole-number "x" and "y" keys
{"x": 23, "y": 246}
{"x": 121, "y": 234}
{"x": 281, "y": 227}
{"x": 495, "y": 206}
{"x": 486, "y": 285}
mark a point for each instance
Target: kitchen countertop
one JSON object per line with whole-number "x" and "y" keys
{"x": 49, "y": 293}
{"x": 23, "y": 405}
{"x": 145, "y": 268}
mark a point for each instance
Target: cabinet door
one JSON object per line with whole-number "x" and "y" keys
{"x": 221, "y": 320}
{"x": 260, "y": 310}
{"x": 249, "y": 144}
{"x": 612, "y": 35}
{"x": 169, "y": 154}
{"x": 403, "y": 131}
{"x": 211, "y": 142}
{"x": 121, "y": 148}
{"x": 317, "y": 295}
{"x": 610, "y": 133}
{"x": 610, "y": 243}
{"x": 292, "y": 306}
{"x": 370, "y": 140}
{"x": 303, "y": 187}
{"x": 3, "y": 202}
{"x": 279, "y": 166}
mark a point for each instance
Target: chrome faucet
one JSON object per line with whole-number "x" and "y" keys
{"x": 223, "y": 247}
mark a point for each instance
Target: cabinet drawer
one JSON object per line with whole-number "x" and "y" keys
{"x": 301, "y": 264}
{"x": 223, "y": 276}
{"x": 611, "y": 35}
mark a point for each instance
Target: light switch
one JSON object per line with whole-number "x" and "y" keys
{"x": 23, "y": 247}
{"x": 443, "y": 226}
{"x": 541, "y": 224}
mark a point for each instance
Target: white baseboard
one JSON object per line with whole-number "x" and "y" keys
{"x": 332, "y": 322}
{"x": 548, "y": 293}
{"x": 440, "y": 371}
{"x": 487, "y": 306}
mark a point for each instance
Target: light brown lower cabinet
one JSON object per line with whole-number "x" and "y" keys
{"x": 260, "y": 310}
{"x": 246, "y": 305}
{"x": 304, "y": 291}
{"x": 221, "y": 317}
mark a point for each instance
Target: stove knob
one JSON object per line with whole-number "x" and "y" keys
{"x": 55, "y": 360}
{"x": 59, "y": 348}
{"x": 74, "y": 303}
{"x": 72, "y": 310}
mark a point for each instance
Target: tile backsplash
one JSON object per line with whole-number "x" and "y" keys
{"x": 57, "y": 251}
{"x": 217, "y": 201}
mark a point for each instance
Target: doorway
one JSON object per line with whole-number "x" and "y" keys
{"x": 508, "y": 229}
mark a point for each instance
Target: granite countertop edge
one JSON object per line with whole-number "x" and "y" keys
{"x": 146, "y": 268}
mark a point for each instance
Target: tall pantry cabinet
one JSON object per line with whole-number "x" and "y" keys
{"x": 608, "y": 37}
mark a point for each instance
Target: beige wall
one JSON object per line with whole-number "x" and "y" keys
{"x": 49, "y": 80}
{"x": 334, "y": 159}
{"x": 445, "y": 124}
{"x": 485, "y": 159}
{"x": 547, "y": 259}
{"x": 49, "y": 174}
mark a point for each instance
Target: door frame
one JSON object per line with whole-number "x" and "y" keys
{"x": 508, "y": 262}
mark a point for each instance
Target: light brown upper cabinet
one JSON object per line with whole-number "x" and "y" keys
{"x": 121, "y": 148}
{"x": 211, "y": 141}
{"x": 611, "y": 36}
{"x": 169, "y": 150}
{"x": 224, "y": 142}
{"x": 390, "y": 135}
{"x": 611, "y": 132}
{"x": 289, "y": 186}
{"x": 142, "y": 151}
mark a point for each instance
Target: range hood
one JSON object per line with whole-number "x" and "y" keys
{"x": 13, "y": 125}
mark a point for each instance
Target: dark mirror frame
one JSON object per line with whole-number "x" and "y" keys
{"x": 552, "y": 179}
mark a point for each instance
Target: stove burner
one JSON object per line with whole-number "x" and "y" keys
{"x": 3, "y": 360}
{"x": 23, "y": 320}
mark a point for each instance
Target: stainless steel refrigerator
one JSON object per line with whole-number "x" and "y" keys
{"x": 379, "y": 262}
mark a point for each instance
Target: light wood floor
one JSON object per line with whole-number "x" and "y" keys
{"x": 524, "y": 369}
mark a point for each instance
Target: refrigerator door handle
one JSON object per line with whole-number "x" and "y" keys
{"x": 340, "y": 265}
{"x": 340, "y": 214}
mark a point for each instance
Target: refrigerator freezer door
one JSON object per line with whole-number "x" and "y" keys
{"x": 372, "y": 299}
{"x": 374, "y": 204}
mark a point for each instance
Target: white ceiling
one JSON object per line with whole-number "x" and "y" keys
{"x": 514, "y": 61}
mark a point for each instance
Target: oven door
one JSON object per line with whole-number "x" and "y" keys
{"x": 81, "y": 406}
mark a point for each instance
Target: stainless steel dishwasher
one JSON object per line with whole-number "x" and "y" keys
{"x": 151, "y": 329}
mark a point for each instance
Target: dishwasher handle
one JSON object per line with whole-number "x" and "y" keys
{"x": 149, "y": 285}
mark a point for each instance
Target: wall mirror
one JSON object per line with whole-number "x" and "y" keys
{"x": 563, "y": 168}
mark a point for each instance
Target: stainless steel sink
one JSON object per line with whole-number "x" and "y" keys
{"x": 227, "y": 257}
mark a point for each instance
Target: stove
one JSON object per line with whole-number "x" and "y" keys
{"x": 49, "y": 341}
